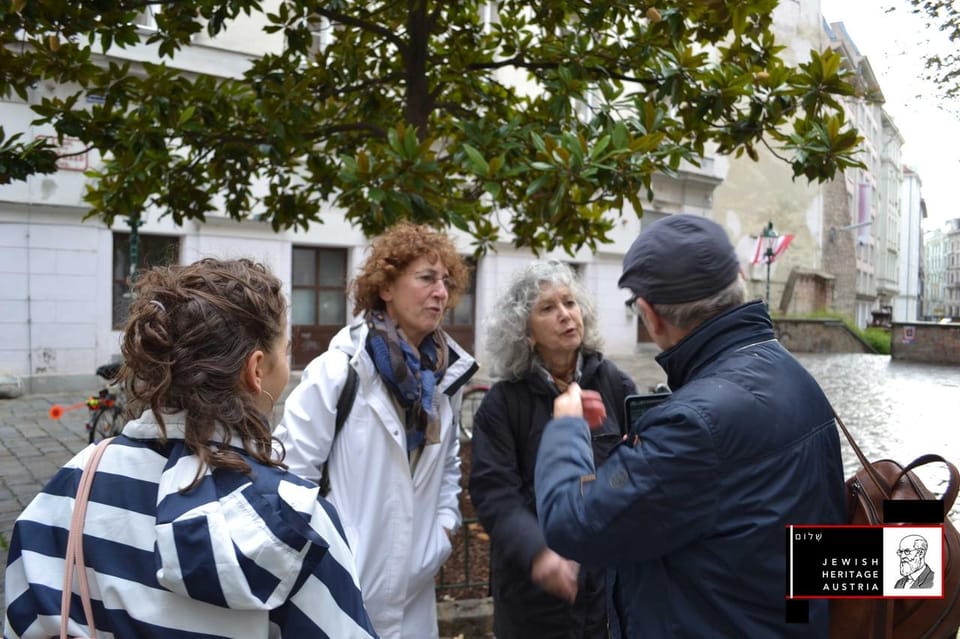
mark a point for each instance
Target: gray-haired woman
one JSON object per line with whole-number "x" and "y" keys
{"x": 542, "y": 336}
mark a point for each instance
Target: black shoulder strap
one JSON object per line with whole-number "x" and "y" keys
{"x": 344, "y": 404}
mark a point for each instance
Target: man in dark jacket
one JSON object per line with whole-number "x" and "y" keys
{"x": 691, "y": 511}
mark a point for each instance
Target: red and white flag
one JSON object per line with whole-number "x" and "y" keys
{"x": 780, "y": 245}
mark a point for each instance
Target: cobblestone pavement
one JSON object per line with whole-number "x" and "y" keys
{"x": 895, "y": 409}
{"x": 32, "y": 448}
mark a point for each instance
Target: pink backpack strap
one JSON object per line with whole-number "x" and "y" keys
{"x": 74, "y": 558}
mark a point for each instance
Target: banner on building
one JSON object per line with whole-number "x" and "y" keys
{"x": 780, "y": 244}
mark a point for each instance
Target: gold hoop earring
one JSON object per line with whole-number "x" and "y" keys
{"x": 267, "y": 393}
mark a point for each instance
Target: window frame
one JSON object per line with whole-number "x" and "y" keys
{"x": 154, "y": 250}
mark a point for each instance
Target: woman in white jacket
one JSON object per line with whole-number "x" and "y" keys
{"x": 394, "y": 468}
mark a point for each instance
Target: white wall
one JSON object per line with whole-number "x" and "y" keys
{"x": 54, "y": 291}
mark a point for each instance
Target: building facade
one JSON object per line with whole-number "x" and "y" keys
{"x": 858, "y": 229}
{"x": 907, "y": 302}
{"x": 934, "y": 306}
{"x": 65, "y": 290}
{"x": 754, "y": 194}
{"x": 887, "y": 223}
{"x": 951, "y": 278}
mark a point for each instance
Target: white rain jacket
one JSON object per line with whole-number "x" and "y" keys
{"x": 394, "y": 520}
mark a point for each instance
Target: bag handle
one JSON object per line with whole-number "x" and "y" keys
{"x": 950, "y": 494}
{"x": 864, "y": 462}
{"x": 74, "y": 556}
{"x": 953, "y": 486}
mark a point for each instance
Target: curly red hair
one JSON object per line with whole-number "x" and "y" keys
{"x": 393, "y": 251}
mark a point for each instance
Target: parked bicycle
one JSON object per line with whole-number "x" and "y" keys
{"x": 472, "y": 397}
{"x": 107, "y": 407}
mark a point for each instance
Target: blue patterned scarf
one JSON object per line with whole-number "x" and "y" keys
{"x": 411, "y": 375}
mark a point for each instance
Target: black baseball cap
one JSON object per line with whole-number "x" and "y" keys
{"x": 680, "y": 258}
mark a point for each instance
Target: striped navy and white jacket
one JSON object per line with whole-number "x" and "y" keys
{"x": 257, "y": 555}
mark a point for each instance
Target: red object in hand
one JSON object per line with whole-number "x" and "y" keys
{"x": 593, "y": 409}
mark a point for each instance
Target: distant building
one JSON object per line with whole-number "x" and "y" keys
{"x": 889, "y": 220}
{"x": 935, "y": 251}
{"x": 754, "y": 194}
{"x": 862, "y": 210}
{"x": 908, "y": 300}
{"x": 951, "y": 280}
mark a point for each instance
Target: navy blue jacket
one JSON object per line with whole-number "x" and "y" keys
{"x": 693, "y": 516}
{"x": 506, "y": 435}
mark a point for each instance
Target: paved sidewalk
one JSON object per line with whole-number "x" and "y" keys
{"x": 32, "y": 448}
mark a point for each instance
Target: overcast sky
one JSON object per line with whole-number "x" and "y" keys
{"x": 894, "y": 43}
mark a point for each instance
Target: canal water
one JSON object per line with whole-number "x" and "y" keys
{"x": 894, "y": 409}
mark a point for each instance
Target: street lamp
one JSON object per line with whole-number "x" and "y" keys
{"x": 769, "y": 244}
{"x": 135, "y": 223}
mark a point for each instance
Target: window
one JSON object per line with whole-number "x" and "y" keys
{"x": 153, "y": 250}
{"x": 319, "y": 287}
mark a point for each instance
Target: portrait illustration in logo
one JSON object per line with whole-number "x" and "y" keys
{"x": 914, "y": 571}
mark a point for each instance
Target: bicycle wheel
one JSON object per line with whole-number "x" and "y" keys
{"x": 471, "y": 402}
{"x": 106, "y": 423}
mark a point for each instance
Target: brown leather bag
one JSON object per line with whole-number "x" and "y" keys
{"x": 899, "y": 618}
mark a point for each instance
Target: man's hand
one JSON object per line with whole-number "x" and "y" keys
{"x": 556, "y": 575}
{"x": 569, "y": 403}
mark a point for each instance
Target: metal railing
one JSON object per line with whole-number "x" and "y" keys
{"x": 466, "y": 574}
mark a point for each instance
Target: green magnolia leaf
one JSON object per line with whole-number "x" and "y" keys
{"x": 186, "y": 114}
{"x": 480, "y": 165}
{"x": 493, "y": 188}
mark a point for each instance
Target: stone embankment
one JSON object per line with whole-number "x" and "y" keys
{"x": 926, "y": 342}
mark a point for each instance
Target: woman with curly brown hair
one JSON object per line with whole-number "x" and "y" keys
{"x": 394, "y": 468}
{"x": 193, "y": 527}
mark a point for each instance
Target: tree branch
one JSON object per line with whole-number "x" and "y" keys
{"x": 353, "y": 127}
{"x": 86, "y": 149}
{"x": 518, "y": 61}
{"x": 390, "y": 77}
{"x": 383, "y": 32}
{"x": 773, "y": 151}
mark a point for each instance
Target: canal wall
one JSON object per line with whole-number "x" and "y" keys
{"x": 818, "y": 336}
{"x": 925, "y": 342}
